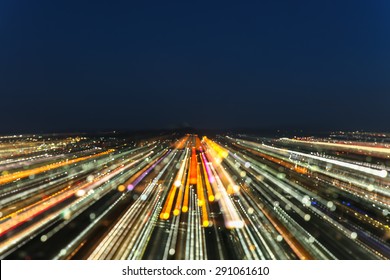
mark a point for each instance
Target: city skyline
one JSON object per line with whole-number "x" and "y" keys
{"x": 187, "y": 197}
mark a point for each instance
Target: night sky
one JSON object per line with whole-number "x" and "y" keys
{"x": 106, "y": 65}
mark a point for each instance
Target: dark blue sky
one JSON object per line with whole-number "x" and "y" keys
{"x": 74, "y": 65}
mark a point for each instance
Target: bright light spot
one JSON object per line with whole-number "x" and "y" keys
{"x": 130, "y": 187}
{"x": 247, "y": 164}
{"x": 250, "y": 210}
{"x": 306, "y": 200}
{"x": 177, "y": 183}
{"x": 143, "y": 197}
{"x": 330, "y": 204}
{"x": 172, "y": 252}
{"x": 259, "y": 178}
{"x": 164, "y": 216}
{"x": 176, "y": 212}
{"x": 354, "y": 235}
{"x": 66, "y": 214}
{"x": 311, "y": 239}
{"x": 370, "y": 187}
{"x": 80, "y": 193}
{"x": 243, "y": 174}
{"x": 90, "y": 178}
{"x": 279, "y": 238}
{"x": 385, "y": 212}
{"x": 383, "y": 173}
{"x": 43, "y": 238}
{"x": 121, "y": 188}
{"x": 307, "y": 217}
{"x": 234, "y": 224}
{"x": 92, "y": 216}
